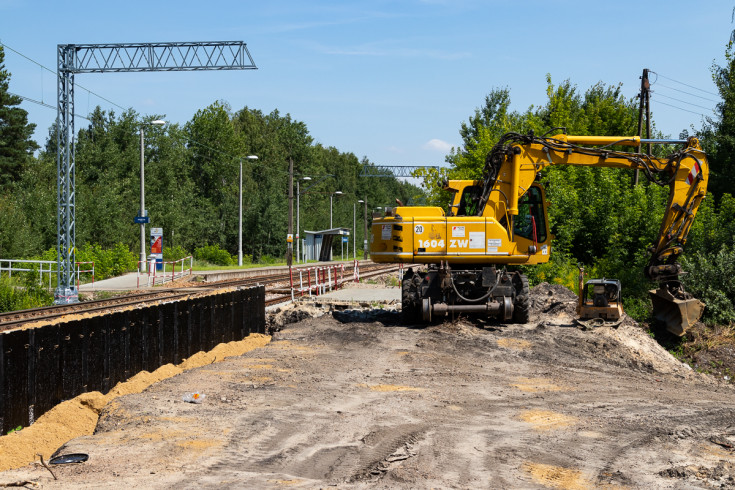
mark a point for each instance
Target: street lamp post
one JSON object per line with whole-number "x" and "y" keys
{"x": 298, "y": 217}
{"x": 239, "y": 221}
{"x": 335, "y": 193}
{"x": 365, "y": 234}
{"x": 354, "y": 226}
{"x": 143, "y": 213}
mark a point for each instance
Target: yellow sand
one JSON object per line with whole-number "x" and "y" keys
{"x": 534, "y": 385}
{"x": 515, "y": 344}
{"x": 199, "y": 443}
{"x": 557, "y": 476}
{"x": 78, "y": 416}
{"x": 286, "y": 482}
{"x": 543, "y": 420}
{"x": 390, "y": 388}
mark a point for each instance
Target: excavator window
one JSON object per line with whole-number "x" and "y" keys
{"x": 530, "y": 214}
{"x": 469, "y": 201}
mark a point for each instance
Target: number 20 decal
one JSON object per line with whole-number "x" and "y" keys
{"x": 431, "y": 243}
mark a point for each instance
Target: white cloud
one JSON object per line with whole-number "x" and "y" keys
{"x": 437, "y": 145}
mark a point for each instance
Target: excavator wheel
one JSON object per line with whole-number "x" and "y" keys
{"x": 410, "y": 305}
{"x": 522, "y": 303}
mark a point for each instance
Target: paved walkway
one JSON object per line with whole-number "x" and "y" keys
{"x": 131, "y": 280}
{"x": 364, "y": 295}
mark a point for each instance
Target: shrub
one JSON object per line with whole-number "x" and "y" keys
{"x": 561, "y": 269}
{"x": 174, "y": 253}
{"x": 107, "y": 263}
{"x": 214, "y": 255}
{"x": 14, "y": 297}
{"x": 269, "y": 259}
{"x": 711, "y": 278}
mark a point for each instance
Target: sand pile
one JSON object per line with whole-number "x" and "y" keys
{"x": 78, "y": 416}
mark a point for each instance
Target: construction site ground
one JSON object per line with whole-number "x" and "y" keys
{"x": 351, "y": 398}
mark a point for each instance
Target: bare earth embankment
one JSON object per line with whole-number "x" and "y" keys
{"x": 353, "y": 399}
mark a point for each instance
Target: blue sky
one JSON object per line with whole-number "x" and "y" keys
{"x": 390, "y": 80}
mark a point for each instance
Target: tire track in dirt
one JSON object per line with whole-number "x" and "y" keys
{"x": 463, "y": 404}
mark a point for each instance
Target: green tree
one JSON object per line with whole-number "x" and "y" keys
{"x": 16, "y": 145}
{"x": 718, "y": 133}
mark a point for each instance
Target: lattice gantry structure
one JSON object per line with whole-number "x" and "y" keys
{"x": 397, "y": 171}
{"x": 102, "y": 58}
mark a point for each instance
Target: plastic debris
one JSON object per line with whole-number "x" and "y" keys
{"x": 195, "y": 397}
{"x": 69, "y": 458}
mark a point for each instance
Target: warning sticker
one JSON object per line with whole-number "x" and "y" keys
{"x": 458, "y": 232}
{"x": 477, "y": 239}
{"x": 385, "y": 232}
{"x": 544, "y": 250}
{"x": 494, "y": 242}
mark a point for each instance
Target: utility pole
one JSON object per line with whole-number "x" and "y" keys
{"x": 645, "y": 102}
{"x": 289, "y": 251}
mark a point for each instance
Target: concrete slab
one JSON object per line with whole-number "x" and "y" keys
{"x": 364, "y": 295}
{"x": 126, "y": 282}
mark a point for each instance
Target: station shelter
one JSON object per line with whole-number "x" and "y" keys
{"x": 317, "y": 245}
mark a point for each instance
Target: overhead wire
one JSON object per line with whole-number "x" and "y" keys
{"x": 657, "y": 92}
{"x": 43, "y": 104}
{"x": 682, "y": 109}
{"x": 55, "y": 73}
{"x": 688, "y": 93}
{"x": 685, "y": 84}
{"x": 190, "y": 140}
{"x": 682, "y": 101}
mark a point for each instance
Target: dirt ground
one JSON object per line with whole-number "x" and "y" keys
{"x": 354, "y": 399}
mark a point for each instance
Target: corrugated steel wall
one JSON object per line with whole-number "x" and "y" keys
{"x": 40, "y": 367}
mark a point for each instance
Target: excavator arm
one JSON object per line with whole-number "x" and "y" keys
{"x": 502, "y": 220}
{"x": 516, "y": 159}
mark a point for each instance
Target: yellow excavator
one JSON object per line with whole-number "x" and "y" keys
{"x": 502, "y": 220}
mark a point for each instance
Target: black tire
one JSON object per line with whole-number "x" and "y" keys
{"x": 410, "y": 306}
{"x": 522, "y": 303}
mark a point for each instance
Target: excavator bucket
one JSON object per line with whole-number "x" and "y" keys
{"x": 677, "y": 314}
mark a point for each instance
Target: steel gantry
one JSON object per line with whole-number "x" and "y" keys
{"x": 397, "y": 171}
{"x": 124, "y": 57}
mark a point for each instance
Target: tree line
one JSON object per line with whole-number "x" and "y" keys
{"x": 191, "y": 181}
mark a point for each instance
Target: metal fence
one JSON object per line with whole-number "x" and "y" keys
{"x": 47, "y": 267}
{"x": 40, "y": 367}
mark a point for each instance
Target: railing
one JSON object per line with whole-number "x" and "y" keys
{"x": 325, "y": 278}
{"x": 44, "y": 267}
{"x": 178, "y": 271}
{"x": 356, "y": 270}
{"x": 79, "y": 272}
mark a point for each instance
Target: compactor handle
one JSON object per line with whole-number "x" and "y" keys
{"x": 580, "y": 303}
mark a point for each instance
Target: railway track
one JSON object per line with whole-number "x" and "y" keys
{"x": 274, "y": 296}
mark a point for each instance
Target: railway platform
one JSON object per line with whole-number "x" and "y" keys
{"x": 133, "y": 280}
